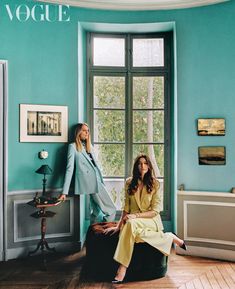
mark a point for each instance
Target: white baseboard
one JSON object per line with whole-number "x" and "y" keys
{"x": 60, "y": 247}
{"x": 206, "y": 252}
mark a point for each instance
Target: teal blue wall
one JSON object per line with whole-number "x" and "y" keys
{"x": 43, "y": 69}
{"x": 205, "y": 50}
{"x": 206, "y": 53}
{"x": 42, "y": 60}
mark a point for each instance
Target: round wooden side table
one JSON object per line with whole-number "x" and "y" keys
{"x": 43, "y": 214}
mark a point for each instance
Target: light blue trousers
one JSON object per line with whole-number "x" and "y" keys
{"x": 101, "y": 205}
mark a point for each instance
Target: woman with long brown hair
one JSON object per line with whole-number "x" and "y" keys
{"x": 141, "y": 220}
{"x": 88, "y": 177}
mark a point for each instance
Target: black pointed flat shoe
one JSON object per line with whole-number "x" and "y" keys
{"x": 115, "y": 281}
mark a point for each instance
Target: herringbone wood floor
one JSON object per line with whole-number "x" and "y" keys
{"x": 63, "y": 272}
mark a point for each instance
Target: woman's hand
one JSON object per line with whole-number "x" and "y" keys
{"x": 62, "y": 197}
{"x": 114, "y": 230}
{"x": 129, "y": 216}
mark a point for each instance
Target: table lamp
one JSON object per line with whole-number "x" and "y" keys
{"x": 44, "y": 170}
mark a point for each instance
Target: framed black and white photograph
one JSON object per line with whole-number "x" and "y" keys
{"x": 211, "y": 126}
{"x": 211, "y": 155}
{"x": 43, "y": 123}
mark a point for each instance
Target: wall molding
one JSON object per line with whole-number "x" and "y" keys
{"x": 135, "y": 5}
{"x": 203, "y": 203}
{"x": 38, "y": 237}
{"x": 206, "y": 194}
{"x": 207, "y": 252}
{"x": 4, "y": 157}
{"x": 1, "y": 256}
{"x": 1, "y": 157}
{"x": 33, "y": 191}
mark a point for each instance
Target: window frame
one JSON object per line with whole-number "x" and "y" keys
{"x": 129, "y": 72}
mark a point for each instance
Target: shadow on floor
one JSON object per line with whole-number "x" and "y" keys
{"x": 30, "y": 273}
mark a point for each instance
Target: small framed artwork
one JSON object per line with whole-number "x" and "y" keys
{"x": 212, "y": 155}
{"x": 211, "y": 126}
{"x": 43, "y": 123}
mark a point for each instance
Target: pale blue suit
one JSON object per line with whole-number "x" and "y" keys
{"x": 88, "y": 181}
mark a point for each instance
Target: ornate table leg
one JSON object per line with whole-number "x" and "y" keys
{"x": 43, "y": 242}
{"x": 43, "y": 233}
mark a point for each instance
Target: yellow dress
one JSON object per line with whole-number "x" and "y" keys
{"x": 142, "y": 229}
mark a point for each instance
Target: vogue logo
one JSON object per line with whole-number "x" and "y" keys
{"x": 38, "y": 13}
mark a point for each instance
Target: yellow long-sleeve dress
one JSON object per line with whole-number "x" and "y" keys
{"x": 137, "y": 230}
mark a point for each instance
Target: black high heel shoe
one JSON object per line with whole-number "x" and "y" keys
{"x": 115, "y": 281}
{"x": 183, "y": 246}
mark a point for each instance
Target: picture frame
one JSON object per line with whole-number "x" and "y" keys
{"x": 43, "y": 123}
{"x": 211, "y": 126}
{"x": 212, "y": 155}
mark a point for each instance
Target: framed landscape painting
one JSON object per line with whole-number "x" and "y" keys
{"x": 212, "y": 155}
{"x": 43, "y": 123}
{"x": 211, "y": 126}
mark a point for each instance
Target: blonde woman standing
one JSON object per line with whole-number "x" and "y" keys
{"x": 88, "y": 177}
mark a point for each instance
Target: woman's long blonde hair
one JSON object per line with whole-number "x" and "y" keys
{"x": 78, "y": 142}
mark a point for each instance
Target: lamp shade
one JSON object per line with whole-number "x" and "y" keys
{"x": 44, "y": 170}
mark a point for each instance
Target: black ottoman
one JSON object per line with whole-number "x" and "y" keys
{"x": 146, "y": 263}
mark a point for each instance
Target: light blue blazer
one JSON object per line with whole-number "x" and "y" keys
{"x": 87, "y": 177}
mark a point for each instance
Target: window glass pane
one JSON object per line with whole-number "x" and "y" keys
{"x": 109, "y": 92}
{"x": 148, "y": 92}
{"x": 148, "y": 126}
{"x": 148, "y": 52}
{"x": 109, "y": 125}
{"x": 118, "y": 93}
{"x": 111, "y": 159}
{"x": 115, "y": 188}
{"x": 106, "y": 48}
{"x": 156, "y": 154}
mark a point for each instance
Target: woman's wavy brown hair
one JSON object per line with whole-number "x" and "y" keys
{"x": 136, "y": 176}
